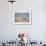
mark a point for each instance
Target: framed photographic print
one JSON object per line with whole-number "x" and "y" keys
{"x": 23, "y": 17}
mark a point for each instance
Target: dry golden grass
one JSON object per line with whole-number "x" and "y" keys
{"x": 21, "y": 19}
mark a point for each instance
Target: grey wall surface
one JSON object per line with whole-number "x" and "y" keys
{"x": 37, "y": 29}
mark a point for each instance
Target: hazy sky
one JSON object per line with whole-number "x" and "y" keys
{"x": 22, "y": 14}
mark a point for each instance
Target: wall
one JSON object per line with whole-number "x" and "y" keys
{"x": 37, "y": 29}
